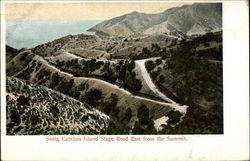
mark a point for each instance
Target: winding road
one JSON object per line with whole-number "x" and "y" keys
{"x": 181, "y": 108}
{"x": 140, "y": 64}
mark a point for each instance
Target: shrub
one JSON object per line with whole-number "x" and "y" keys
{"x": 42, "y": 73}
{"x": 131, "y": 66}
{"x": 22, "y": 100}
{"x": 156, "y": 47}
{"x": 23, "y": 56}
{"x": 108, "y": 106}
{"x": 15, "y": 117}
{"x": 161, "y": 79}
{"x": 154, "y": 74}
{"x": 145, "y": 51}
{"x": 92, "y": 97}
{"x": 150, "y": 65}
{"x": 54, "y": 110}
{"x": 55, "y": 79}
{"x": 158, "y": 61}
{"x": 174, "y": 117}
{"x": 144, "y": 125}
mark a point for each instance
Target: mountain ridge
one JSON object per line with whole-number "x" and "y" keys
{"x": 181, "y": 19}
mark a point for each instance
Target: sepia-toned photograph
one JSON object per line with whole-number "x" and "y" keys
{"x": 114, "y": 68}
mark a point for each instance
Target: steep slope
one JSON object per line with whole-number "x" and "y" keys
{"x": 36, "y": 110}
{"x": 199, "y": 17}
{"x": 193, "y": 73}
{"x": 39, "y": 71}
{"x": 18, "y": 62}
{"x": 11, "y": 53}
{"x": 114, "y": 101}
{"x": 128, "y": 24}
{"x": 67, "y": 65}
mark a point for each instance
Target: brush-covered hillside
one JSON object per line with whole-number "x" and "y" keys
{"x": 36, "y": 110}
{"x": 121, "y": 102}
{"x": 185, "y": 74}
{"x": 164, "y": 82}
{"x": 191, "y": 73}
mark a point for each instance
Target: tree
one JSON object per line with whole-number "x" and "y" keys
{"x": 121, "y": 62}
{"x": 156, "y": 47}
{"x": 131, "y": 65}
{"x": 64, "y": 86}
{"x": 92, "y": 97}
{"x": 154, "y": 74}
{"x": 161, "y": 79}
{"x": 42, "y": 73}
{"x": 92, "y": 65}
{"x": 150, "y": 65}
{"x": 22, "y": 100}
{"x": 145, "y": 51}
{"x": 122, "y": 73}
{"x": 158, "y": 61}
{"x": 174, "y": 117}
{"x": 143, "y": 115}
{"x": 137, "y": 85}
{"x": 145, "y": 124}
{"x": 127, "y": 115}
{"x": 113, "y": 99}
{"x": 159, "y": 69}
{"x": 109, "y": 104}
{"x": 110, "y": 76}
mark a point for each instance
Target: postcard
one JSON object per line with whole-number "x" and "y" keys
{"x": 124, "y": 80}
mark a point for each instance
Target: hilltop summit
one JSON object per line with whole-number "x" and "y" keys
{"x": 198, "y": 18}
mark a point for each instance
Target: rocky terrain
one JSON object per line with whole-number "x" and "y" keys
{"x": 198, "y": 18}
{"x": 164, "y": 82}
{"x": 36, "y": 110}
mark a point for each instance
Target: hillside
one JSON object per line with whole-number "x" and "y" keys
{"x": 11, "y": 53}
{"x": 162, "y": 75}
{"x": 191, "y": 73}
{"x": 118, "y": 103}
{"x": 186, "y": 79}
{"x": 198, "y": 18}
{"x": 36, "y": 110}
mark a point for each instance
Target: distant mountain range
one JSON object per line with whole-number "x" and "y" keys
{"x": 198, "y": 18}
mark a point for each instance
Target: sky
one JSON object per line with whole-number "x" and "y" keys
{"x": 81, "y": 11}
